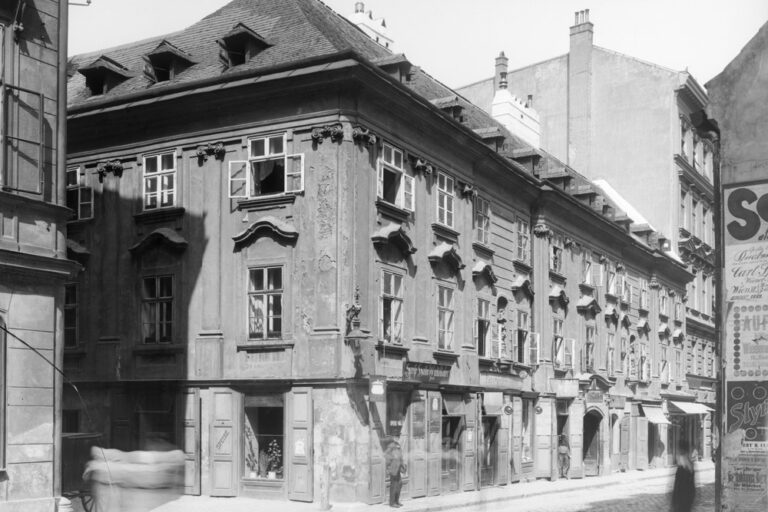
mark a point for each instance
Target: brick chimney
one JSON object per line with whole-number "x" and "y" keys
{"x": 501, "y": 72}
{"x": 580, "y": 91}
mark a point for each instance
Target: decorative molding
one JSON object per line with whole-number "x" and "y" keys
{"x": 654, "y": 283}
{"x": 216, "y": 149}
{"x": 484, "y": 268}
{"x": 601, "y": 258}
{"x": 446, "y": 252}
{"x": 423, "y": 166}
{"x": 277, "y": 227}
{"x": 392, "y": 211}
{"x": 467, "y": 190}
{"x": 159, "y": 215}
{"x": 619, "y": 267}
{"x": 443, "y": 231}
{"x": 164, "y": 236}
{"x": 362, "y": 135}
{"x": 112, "y": 166}
{"x": 335, "y": 132}
{"x": 541, "y": 230}
{"x": 395, "y": 234}
{"x": 353, "y": 312}
{"x": 568, "y": 242}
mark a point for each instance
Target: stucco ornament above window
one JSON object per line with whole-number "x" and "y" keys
{"x": 664, "y": 330}
{"x": 557, "y": 293}
{"x": 643, "y": 326}
{"x": 446, "y": 252}
{"x": 625, "y": 321}
{"x": 163, "y": 236}
{"x": 678, "y": 335}
{"x": 484, "y": 268}
{"x": 524, "y": 285}
{"x": 611, "y": 313}
{"x": 587, "y": 303}
{"x": 395, "y": 234}
{"x": 268, "y": 224}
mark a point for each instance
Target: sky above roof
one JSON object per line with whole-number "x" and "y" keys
{"x": 456, "y": 41}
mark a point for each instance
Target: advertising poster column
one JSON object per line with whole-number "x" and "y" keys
{"x": 745, "y": 349}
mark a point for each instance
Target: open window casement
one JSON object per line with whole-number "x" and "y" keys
{"x": 570, "y": 352}
{"x": 239, "y": 179}
{"x": 534, "y": 352}
{"x": 394, "y": 186}
{"x": 294, "y": 173}
{"x": 406, "y": 192}
{"x": 518, "y": 349}
{"x": 558, "y": 349}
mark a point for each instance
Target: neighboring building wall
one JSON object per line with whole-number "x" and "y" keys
{"x": 33, "y": 265}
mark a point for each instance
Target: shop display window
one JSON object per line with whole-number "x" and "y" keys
{"x": 264, "y": 438}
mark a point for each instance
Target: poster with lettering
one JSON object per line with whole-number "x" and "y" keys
{"x": 745, "y": 349}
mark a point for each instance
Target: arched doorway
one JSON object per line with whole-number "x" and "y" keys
{"x": 592, "y": 441}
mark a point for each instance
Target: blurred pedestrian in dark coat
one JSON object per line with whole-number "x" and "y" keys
{"x": 393, "y": 458}
{"x": 684, "y": 490}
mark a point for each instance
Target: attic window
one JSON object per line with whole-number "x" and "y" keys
{"x": 165, "y": 62}
{"x": 240, "y": 45}
{"x": 103, "y": 75}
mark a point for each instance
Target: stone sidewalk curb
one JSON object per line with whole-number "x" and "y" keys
{"x": 478, "y": 499}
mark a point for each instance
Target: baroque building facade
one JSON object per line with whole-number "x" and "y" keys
{"x": 33, "y": 254}
{"x": 296, "y": 252}
{"x": 639, "y": 133}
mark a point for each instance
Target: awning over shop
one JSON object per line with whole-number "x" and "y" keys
{"x": 690, "y": 407}
{"x": 655, "y": 414}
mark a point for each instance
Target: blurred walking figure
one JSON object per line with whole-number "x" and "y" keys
{"x": 684, "y": 489}
{"x": 393, "y": 457}
{"x": 563, "y": 456}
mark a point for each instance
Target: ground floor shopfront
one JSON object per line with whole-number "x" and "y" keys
{"x": 287, "y": 440}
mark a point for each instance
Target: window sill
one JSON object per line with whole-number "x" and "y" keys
{"x": 266, "y": 202}
{"x": 392, "y": 348}
{"x": 254, "y": 346}
{"x": 159, "y": 215}
{"x": 483, "y": 249}
{"x": 445, "y": 355}
{"x": 445, "y": 231}
{"x": 557, "y": 277}
{"x": 159, "y": 348}
{"x": 522, "y": 266}
{"x": 522, "y": 366}
{"x": 611, "y": 296}
{"x": 75, "y": 223}
{"x": 486, "y": 362}
{"x": 392, "y": 211}
{"x": 643, "y": 309}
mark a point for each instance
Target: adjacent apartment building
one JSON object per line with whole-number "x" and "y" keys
{"x": 638, "y": 131}
{"x": 298, "y": 246}
{"x": 33, "y": 253}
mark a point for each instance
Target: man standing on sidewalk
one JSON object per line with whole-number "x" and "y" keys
{"x": 393, "y": 458}
{"x": 563, "y": 456}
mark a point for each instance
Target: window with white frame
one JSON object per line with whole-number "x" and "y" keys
{"x": 482, "y": 327}
{"x": 445, "y": 199}
{"x": 678, "y": 310}
{"x": 157, "y": 309}
{"x": 558, "y": 342}
{"x": 624, "y": 350}
{"x": 694, "y": 296}
{"x": 645, "y": 364}
{"x": 612, "y": 281}
{"x": 644, "y": 294}
{"x": 391, "y": 307}
{"x": 501, "y": 334}
{"x": 394, "y": 185}
{"x": 79, "y": 194}
{"x": 598, "y": 273}
{"x": 663, "y": 302}
{"x": 520, "y": 350}
{"x": 445, "y": 317}
{"x": 3, "y": 367}
{"x": 626, "y": 290}
{"x": 704, "y": 227}
{"x": 556, "y": 255}
{"x": 703, "y": 291}
{"x": 586, "y": 269}
{"x": 684, "y": 140}
{"x": 611, "y": 355}
{"x": 664, "y": 372}
{"x": 160, "y": 181}
{"x": 588, "y": 358}
{"x": 482, "y": 221}
{"x": 70, "y": 315}
{"x": 523, "y": 240}
{"x": 694, "y": 222}
{"x": 269, "y": 170}
{"x": 678, "y": 365}
{"x": 265, "y": 302}
{"x": 683, "y": 211}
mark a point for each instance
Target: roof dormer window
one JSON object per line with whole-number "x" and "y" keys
{"x": 165, "y": 62}
{"x": 240, "y": 45}
{"x": 103, "y": 75}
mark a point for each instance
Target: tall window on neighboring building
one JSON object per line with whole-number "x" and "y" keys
{"x": 644, "y": 295}
{"x": 523, "y": 240}
{"x": 694, "y": 222}
{"x": 704, "y": 299}
{"x": 445, "y": 317}
{"x": 684, "y": 140}
{"x": 482, "y": 327}
{"x": 611, "y": 282}
{"x": 482, "y": 221}
{"x": 3, "y": 373}
{"x": 157, "y": 309}
{"x": 70, "y": 315}
{"x": 586, "y": 269}
{"x": 394, "y": 185}
{"x": 556, "y": 255}
{"x": 526, "y": 430}
{"x": 704, "y": 226}
{"x": 391, "y": 307}
{"x": 683, "y": 212}
{"x": 694, "y": 293}
{"x": 520, "y": 349}
{"x": 265, "y": 302}
{"x": 624, "y": 351}
{"x": 663, "y": 302}
{"x": 588, "y": 357}
{"x": 79, "y": 195}
{"x": 663, "y": 362}
{"x": 558, "y": 343}
{"x": 678, "y": 364}
{"x": 445, "y": 199}
{"x": 160, "y": 181}
{"x": 611, "y": 355}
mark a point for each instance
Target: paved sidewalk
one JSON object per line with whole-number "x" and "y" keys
{"x": 495, "y": 495}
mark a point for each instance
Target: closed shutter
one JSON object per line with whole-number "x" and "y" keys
{"x": 469, "y": 441}
{"x": 224, "y": 437}
{"x": 502, "y": 440}
{"x": 417, "y": 469}
{"x": 300, "y": 482}
{"x": 517, "y": 438}
{"x": 576, "y": 437}
{"x": 543, "y": 433}
{"x": 434, "y": 457}
{"x": 188, "y": 409}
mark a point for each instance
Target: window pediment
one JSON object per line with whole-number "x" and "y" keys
{"x": 395, "y": 234}
{"x": 162, "y": 236}
{"x": 276, "y": 227}
{"x": 484, "y": 268}
{"x": 643, "y": 326}
{"x": 448, "y": 253}
{"x": 611, "y": 313}
{"x": 557, "y": 293}
{"x": 524, "y": 285}
{"x": 587, "y": 303}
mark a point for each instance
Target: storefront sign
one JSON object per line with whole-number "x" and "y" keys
{"x": 378, "y": 389}
{"x": 426, "y": 372}
{"x": 594, "y": 397}
{"x": 745, "y": 346}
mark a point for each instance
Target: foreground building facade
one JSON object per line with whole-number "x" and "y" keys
{"x": 33, "y": 257}
{"x": 636, "y": 130}
{"x": 296, "y": 252}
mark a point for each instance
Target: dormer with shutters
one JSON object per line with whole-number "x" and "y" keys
{"x": 240, "y": 45}
{"x": 103, "y": 75}
{"x": 165, "y": 62}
